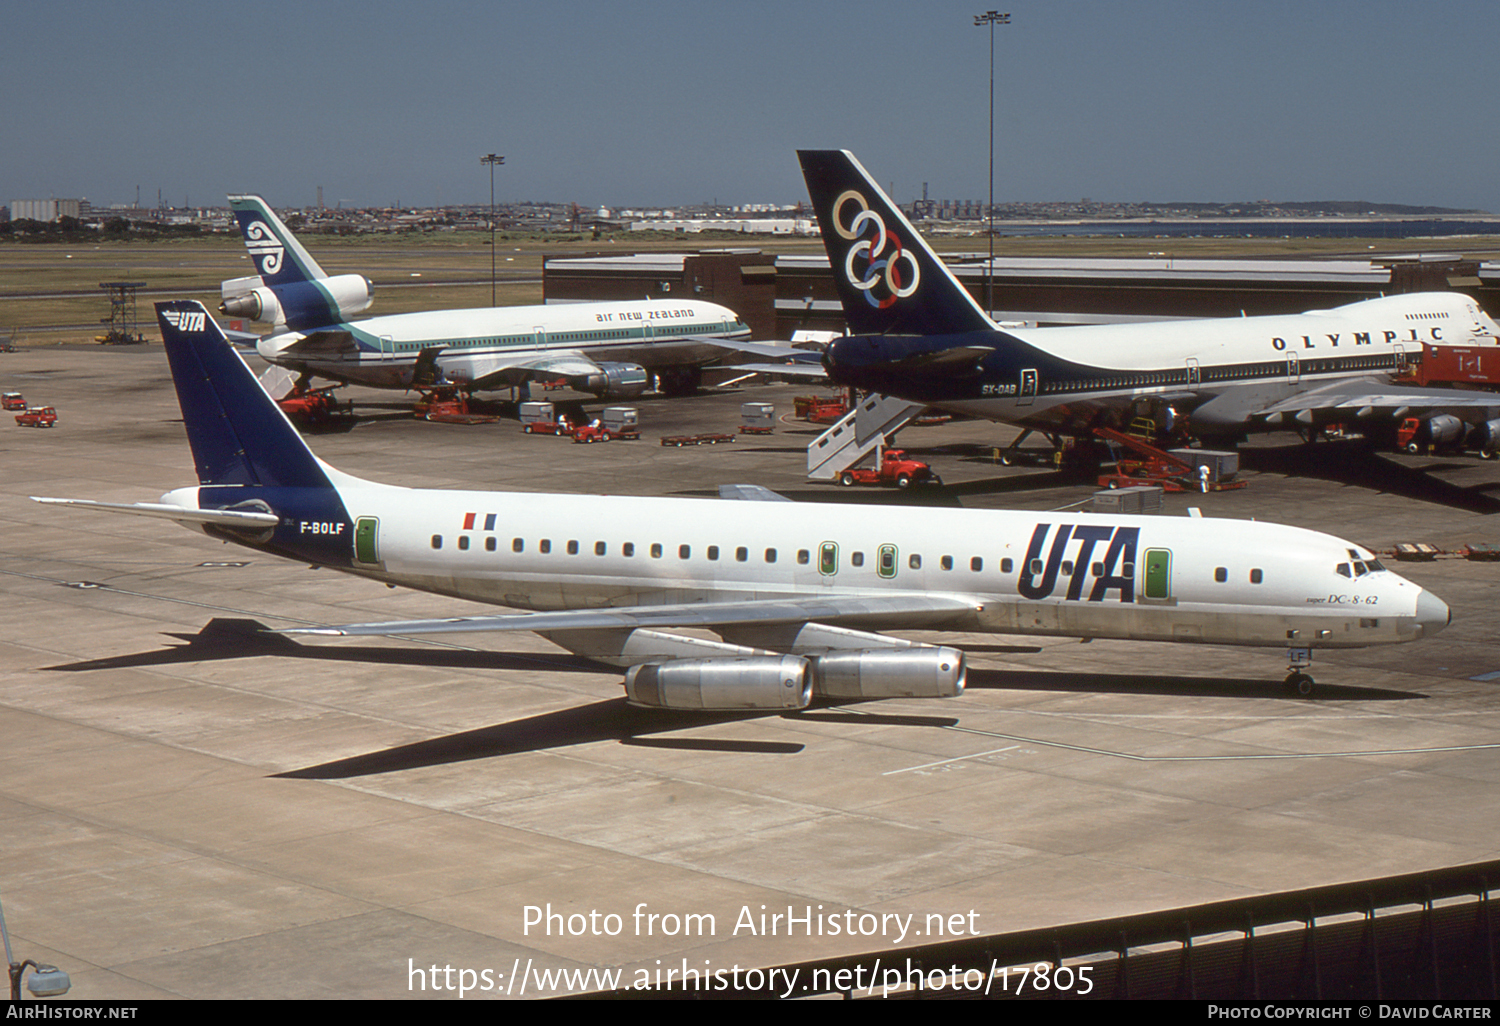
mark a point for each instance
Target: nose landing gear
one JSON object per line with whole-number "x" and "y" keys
{"x": 1298, "y": 680}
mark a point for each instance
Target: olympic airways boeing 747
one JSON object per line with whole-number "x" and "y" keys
{"x": 607, "y": 348}
{"x": 797, "y": 596}
{"x": 917, "y": 334}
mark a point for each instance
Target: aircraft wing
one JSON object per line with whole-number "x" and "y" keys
{"x": 513, "y": 368}
{"x": 1365, "y": 396}
{"x": 795, "y": 363}
{"x": 810, "y": 371}
{"x": 913, "y": 608}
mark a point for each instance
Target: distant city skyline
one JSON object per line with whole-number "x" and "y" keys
{"x": 673, "y": 102}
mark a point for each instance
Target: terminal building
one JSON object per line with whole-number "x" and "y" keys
{"x": 777, "y": 295}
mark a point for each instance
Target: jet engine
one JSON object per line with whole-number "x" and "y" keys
{"x": 721, "y": 685}
{"x": 1440, "y": 430}
{"x": 302, "y": 304}
{"x": 1486, "y": 438}
{"x": 890, "y": 673}
{"x": 614, "y": 381}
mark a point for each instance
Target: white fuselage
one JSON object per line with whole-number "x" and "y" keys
{"x": 475, "y": 343}
{"x": 1248, "y": 363}
{"x": 1072, "y": 574}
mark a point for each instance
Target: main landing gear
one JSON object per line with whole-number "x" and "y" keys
{"x": 1298, "y": 680}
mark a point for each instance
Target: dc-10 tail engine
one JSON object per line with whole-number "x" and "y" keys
{"x": 299, "y": 305}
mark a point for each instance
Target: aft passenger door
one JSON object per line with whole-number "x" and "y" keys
{"x": 1028, "y": 387}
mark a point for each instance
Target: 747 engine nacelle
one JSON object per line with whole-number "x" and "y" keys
{"x": 300, "y": 305}
{"x": 890, "y": 673}
{"x": 614, "y": 381}
{"x": 721, "y": 685}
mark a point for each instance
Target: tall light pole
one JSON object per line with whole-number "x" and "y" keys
{"x": 991, "y": 18}
{"x": 491, "y": 159}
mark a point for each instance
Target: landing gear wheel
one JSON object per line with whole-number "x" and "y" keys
{"x": 1299, "y": 684}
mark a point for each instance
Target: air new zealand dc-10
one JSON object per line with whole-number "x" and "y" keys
{"x": 606, "y": 348}
{"x": 917, "y": 334}
{"x": 798, "y": 595}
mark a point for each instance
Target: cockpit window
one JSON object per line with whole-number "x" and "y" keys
{"x": 1343, "y": 569}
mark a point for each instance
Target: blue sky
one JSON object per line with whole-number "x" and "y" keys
{"x": 624, "y": 103}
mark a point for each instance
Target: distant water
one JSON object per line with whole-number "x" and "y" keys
{"x": 1330, "y": 228}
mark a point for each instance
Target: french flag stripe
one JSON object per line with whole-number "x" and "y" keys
{"x": 468, "y": 521}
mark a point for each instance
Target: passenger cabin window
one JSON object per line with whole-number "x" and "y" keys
{"x": 976, "y": 564}
{"x": 915, "y": 562}
{"x": 803, "y": 557}
{"x": 770, "y": 555}
{"x": 656, "y": 550}
{"x": 684, "y": 551}
{"x": 628, "y": 549}
{"x": 713, "y": 552}
{"x": 489, "y": 544}
{"x": 741, "y": 554}
{"x": 544, "y": 546}
{"x": 572, "y": 548}
{"x": 1221, "y": 574}
{"x": 437, "y": 541}
{"x": 856, "y": 559}
{"x": 1255, "y": 576}
{"x": 1007, "y": 565}
{"x": 946, "y": 562}
{"x": 600, "y": 548}
{"x": 517, "y": 545}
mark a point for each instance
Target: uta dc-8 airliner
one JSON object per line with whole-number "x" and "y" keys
{"x": 798, "y": 595}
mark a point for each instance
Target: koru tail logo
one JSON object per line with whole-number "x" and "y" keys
{"x": 264, "y": 247}
{"x": 185, "y": 320}
{"x": 876, "y": 264}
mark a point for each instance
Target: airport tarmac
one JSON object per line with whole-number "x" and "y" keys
{"x": 191, "y": 809}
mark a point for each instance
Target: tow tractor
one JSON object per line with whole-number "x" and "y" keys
{"x": 892, "y": 466}
{"x": 314, "y": 405}
{"x": 445, "y": 404}
{"x": 820, "y": 409}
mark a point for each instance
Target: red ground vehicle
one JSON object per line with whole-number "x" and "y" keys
{"x": 594, "y": 432}
{"x": 314, "y": 406}
{"x": 41, "y": 416}
{"x": 893, "y": 466}
{"x": 13, "y": 401}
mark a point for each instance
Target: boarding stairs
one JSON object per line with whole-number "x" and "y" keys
{"x": 861, "y": 431}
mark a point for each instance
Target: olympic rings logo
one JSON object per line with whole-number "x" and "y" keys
{"x": 881, "y": 267}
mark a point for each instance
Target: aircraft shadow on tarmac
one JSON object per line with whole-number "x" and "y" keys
{"x": 1358, "y": 464}
{"x": 610, "y": 720}
{"x": 228, "y": 638}
{"x": 1174, "y": 687}
{"x": 616, "y": 720}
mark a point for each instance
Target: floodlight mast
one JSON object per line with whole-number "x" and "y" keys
{"x": 991, "y": 18}
{"x": 491, "y": 159}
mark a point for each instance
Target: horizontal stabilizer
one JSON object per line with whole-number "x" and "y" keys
{"x": 221, "y": 517}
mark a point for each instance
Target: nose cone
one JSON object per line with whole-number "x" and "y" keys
{"x": 1433, "y": 614}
